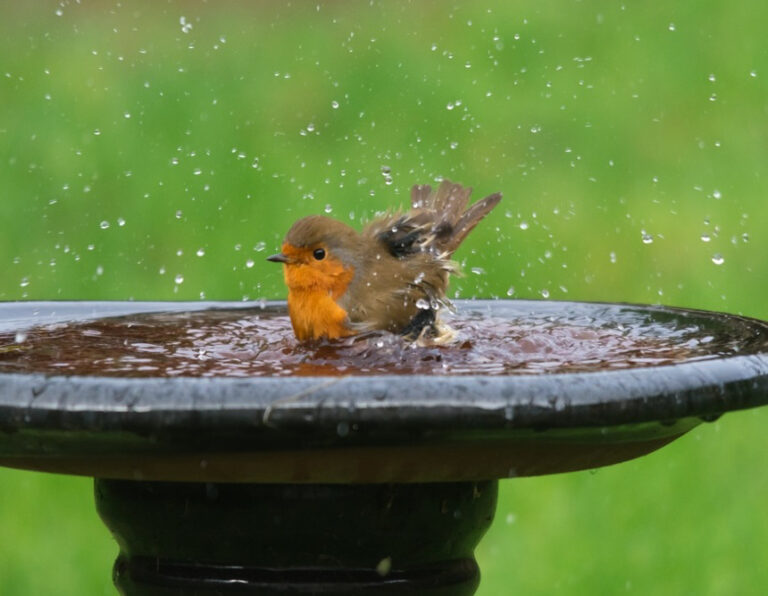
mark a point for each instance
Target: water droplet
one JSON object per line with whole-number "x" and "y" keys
{"x": 523, "y": 225}
{"x": 20, "y": 338}
{"x": 612, "y": 257}
{"x": 120, "y": 222}
{"x": 197, "y": 171}
{"x": 706, "y": 237}
{"x": 179, "y": 279}
{"x": 200, "y": 252}
{"x": 96, "y": 132}
{"x": 127, "y": 115}
{"x": 104, "y": 225}
{"x": 718, "y": 259}
{"x": 174, "y": 161}
{"x": 342, "y": 429}
{"x": 311, "y": 127}
{"x": 422, "y": 304}
{"x": 259, "y": 246}
{"x": 335, "y": 104}
{"x": 249, "y": 263}
{"x": 185, "y": 26}
{"x": 711, "y": 78}
{"x": 544, "y": 294}
{"x": 178, "y": 214}
{"x": 717, "y": 194}
{"x": 745, "y": 237}
{"x": 328, "y": 209}
{"x": 511, "y": 291}
{"x": 24, "y": 282}
{"x": 647, "y": 238}
{"x": 478, "y": 270}
{"x": 672, "y": 27}
{"x": 255, "y": 163}
{"x": 384, "y": 566}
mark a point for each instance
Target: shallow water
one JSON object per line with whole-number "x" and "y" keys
{"x": 256, "y": 342}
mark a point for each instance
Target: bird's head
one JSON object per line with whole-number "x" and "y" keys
{"x": 318, "y": 254}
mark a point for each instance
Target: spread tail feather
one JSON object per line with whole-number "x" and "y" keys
{"x": 470, "y": 219}
{"x": 452, "y": 221}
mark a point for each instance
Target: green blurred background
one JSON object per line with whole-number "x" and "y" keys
{"x": 161, "y": 150}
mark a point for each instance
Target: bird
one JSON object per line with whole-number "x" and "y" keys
{"x": 391, "y": 276}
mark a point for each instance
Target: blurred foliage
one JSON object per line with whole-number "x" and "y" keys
{"x": 161, "y": 150}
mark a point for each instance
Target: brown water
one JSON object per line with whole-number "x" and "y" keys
{"x": 254, "y": 342}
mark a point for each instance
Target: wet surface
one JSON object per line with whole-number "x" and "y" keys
{"x": 258, "y": 342}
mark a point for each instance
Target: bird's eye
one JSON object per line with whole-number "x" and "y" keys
{"x": 319, "y": 254}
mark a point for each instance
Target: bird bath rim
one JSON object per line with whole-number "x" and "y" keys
{"x": 367, "y": 428}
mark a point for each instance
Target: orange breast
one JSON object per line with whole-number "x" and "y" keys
{"x": 315, "y": 314}
{"x": 313, "y": 289}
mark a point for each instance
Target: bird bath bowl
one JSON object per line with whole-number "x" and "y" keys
{"x": 230, "y": 461}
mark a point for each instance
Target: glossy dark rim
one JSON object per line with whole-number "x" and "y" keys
{"x": 373, "y": 406}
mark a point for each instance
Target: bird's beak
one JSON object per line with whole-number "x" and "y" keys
{"x": 278, "y": 258}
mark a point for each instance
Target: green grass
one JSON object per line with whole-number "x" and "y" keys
{"x": 598, "y": 122}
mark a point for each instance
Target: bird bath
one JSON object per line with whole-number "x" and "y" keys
{"x": 229, "y": 461}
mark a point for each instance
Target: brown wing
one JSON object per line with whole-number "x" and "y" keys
{"x": 410, "y": 262}
{"x": 438, "y": 221}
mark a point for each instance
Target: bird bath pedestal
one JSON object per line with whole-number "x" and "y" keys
{"x": 363, "y": 483}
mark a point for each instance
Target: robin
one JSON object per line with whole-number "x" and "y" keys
{"x": 391, "y": 276}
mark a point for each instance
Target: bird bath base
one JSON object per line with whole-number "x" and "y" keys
{"x": 206, "y": 538}
{"x": 310, "y": 479}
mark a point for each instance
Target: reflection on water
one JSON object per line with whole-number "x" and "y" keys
{"x": 254, "y": 342}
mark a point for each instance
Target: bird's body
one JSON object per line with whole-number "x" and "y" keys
{"x": 391, "y": 276}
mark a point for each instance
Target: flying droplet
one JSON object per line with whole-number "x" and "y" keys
{"x": 120, "y": 222}
{"x": 328, "y": 209}
{"x": 259, "y": 246}
{"x": 717, "y": 194}
{"x": 249, "y": 263}
{"x": 104, "y": 225}
{"x": 179, "y": 279}
{"x": 545, "y": 294}
{"x": 523, "y": 225}
{"x": 511, "y": 291}
{"x": 718, "y": 259}
{"x": 647, "y": 238}
{"x": 335, "y": 104}
{"x": 706, "y": 237}
{"x": 200, "y": 252}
